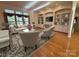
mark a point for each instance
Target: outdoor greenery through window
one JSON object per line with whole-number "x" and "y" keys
{"x": 17, "y": 17}
{"x": 9, "y": 11}
{"x": 19, "y": 21}
{"x": 11, "y": 20}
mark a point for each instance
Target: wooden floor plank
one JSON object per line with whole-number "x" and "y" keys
{"x": 57, "y": 46}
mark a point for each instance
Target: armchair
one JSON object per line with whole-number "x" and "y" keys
{"x": 30, "y": 39}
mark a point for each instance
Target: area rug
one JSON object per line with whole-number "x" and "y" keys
{"x": 16, "y": 48}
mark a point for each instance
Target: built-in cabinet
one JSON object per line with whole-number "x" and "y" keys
{"x": 62, "y": 18}
{"x": 58, "y": 18}
{"x": 49, "y": 18}
{"x": 40, "y": 19}
{"x": 46, "y": 18}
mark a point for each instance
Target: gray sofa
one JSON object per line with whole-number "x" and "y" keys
{"x": 47, "y": 33}
{"x": 4, "y": 38}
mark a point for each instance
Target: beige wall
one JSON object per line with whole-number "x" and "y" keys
{"x": 77, "y": 12}
{"x": 77, "y": 9}
{"x": 1, "y": 17}
{"x": 34, "y": 16}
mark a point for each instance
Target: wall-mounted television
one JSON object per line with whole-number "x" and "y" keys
{"x": 49, "y": 19}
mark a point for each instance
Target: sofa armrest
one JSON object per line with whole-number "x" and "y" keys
{"x": 4, "y": 39}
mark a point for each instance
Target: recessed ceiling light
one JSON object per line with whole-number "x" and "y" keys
{"x": 31, "y": 4}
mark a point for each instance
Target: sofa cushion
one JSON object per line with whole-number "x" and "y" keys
{"x": 46, "y": 29}
{"x": 4, "y": 33}
{"x": 4, "y": 39}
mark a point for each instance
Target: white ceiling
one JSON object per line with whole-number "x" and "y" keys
{"x": 31, "y": 5}
{"x": 22, "y": 4}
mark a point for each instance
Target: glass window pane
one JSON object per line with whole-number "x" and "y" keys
{"x": 11, "y": 23}
{"x": 9, "y": 11}
{"x": 25, "y": 13}
{"x": 19, "y": 21}
{"x": 26, "y": 20}
{"x": 26, "y": 23}
{"x": 11, "y": 20}
{"x": 19, "y": 18}
{"x": 18, "y": 12}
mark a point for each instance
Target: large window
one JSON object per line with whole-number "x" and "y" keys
{"x": 11, "y": 20}
{"x": 18, "y": 12}
{"x": 24, "y": 13}
{"x": 17, "y": 17}
{"x": 26, "y": 20}
{"x": 9, "y": 11}
{"x": 19, "y": 20}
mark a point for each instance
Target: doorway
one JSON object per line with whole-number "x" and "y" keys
{"x": 76, "y": 25}
{"x": 76, "y": 19}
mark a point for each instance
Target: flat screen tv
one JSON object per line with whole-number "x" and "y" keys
{"x": 49, "y": 19}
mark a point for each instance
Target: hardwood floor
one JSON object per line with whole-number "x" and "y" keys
{"x": 59, "y": 46}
